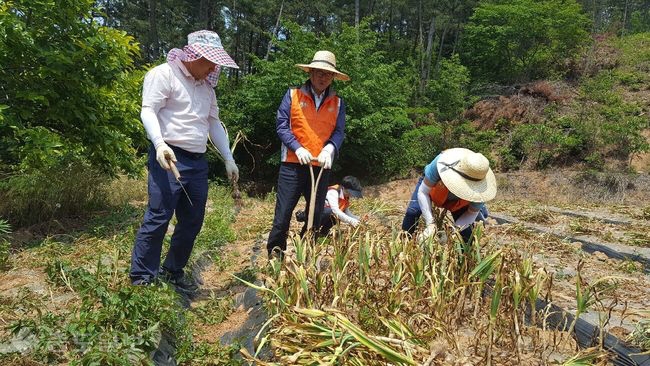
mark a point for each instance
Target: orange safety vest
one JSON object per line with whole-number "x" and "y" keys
{"x": 311, "y": 127}
{"x": 344, "y": 202}
{"x": 438, "y": 195}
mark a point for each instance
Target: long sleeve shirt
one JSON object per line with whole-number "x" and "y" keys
{"x": 181, "y": 111}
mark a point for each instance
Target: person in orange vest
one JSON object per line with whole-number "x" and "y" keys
{"x": 310, "y": 123}
{"x": 337, "y": 205}
{"x": 459, "y": 180}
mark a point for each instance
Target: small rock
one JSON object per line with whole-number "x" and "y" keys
{"x": 569, "y": 272}
{"x": 600, "y": 256}
{"x": 20, "y": 343}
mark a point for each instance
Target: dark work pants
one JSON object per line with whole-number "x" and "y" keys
{"x": 293, "y": 182}
{"x": 413, "y": 212}
{"x": 166, "y": 197}
{"x": 327, "y": 220}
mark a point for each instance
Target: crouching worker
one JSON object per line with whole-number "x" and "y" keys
{"x": 458, "y": 180}
{"x": 337, "y": 205}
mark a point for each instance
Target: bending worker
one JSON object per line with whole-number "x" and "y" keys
{"x": 458, "y": 180}
{"x": 310, "y": 123}
{"x": 337, "y": 205}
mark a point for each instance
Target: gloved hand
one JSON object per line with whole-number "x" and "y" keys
{"x": 304, "y": 156}
{"x": 354, "y": 222}
{"x": 325, "y": 156}
{"x": 428, "y": 232}
{"x": 163, "y": 151}
{"x": 232, "y": 171}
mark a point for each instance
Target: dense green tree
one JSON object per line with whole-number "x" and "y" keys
{"x": 376, "y": 99}
{"x": 448, "y": 92}
{"x": 66, "y": 93}
{"x": 520, "y": 40}
{"x": 618, "y": 16}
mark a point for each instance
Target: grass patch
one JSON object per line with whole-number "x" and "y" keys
{"x": 641, "y": 334}
{"x": 215, "y": 310}
{"x": 216, "y": 230}
{"x": 105, "y": 320}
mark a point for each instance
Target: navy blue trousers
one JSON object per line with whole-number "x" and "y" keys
{"x": 293, "y": 182}
{"x": 166, "y": 198}
{"x": 327, "y": 221}
{"x": 413, "y": 212}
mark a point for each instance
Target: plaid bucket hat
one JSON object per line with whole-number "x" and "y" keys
{"x": 204, "y": 43}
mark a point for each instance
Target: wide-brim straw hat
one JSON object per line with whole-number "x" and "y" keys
{"x": 208, "y": 44}
{"x": 324, "y": 60}
{"x": 467, "y": 175}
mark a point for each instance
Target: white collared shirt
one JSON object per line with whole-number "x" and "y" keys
{"x": 318, "y": 99}
{"x": 185, "y": 107}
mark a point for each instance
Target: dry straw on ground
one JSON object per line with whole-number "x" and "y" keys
{"x": 367, "y": 296}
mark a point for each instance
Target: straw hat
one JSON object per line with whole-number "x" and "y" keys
{"x": 324, "y": 60}
{"x": 208, "y": 44}
{"x": 467, "y": 175}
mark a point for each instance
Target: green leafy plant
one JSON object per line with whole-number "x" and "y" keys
{"x": 523, "y": 39}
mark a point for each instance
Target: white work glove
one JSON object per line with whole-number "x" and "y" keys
{"x": 325, "y": 156}
{"x": 428, "y": 232}
{"x": 162, "y": 152}
{"x": 304, "y": 156}
{"x": 232, "y": 171}
{"x": 354, "y": 222}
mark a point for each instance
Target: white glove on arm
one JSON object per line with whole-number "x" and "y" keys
{"x": 354, "y": 222}
{"x": 232, "y": 171}
{"x": 151, "y": 125}
{"x": 325, "y": 156}
{"x": 219, "y": 139}
{"x": 425, "y": 202}
{"x": 304, "y": 156}
{"x": 466, "y": 219}
{"x": 163, "y": 151}
{"x": 429, "y": 231}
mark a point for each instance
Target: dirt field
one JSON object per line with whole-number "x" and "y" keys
{"x": 567, "y": 205}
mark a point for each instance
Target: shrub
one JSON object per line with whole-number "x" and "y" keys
{"x": 423, "y": 143}
{"x": 557, "y": 141}
{"x": 114, "y": 324}
{"x": 67, "y": 188}
{"x": 447, "y": 92}
{"x": 67, "y": 88}
{"x": 5, "y": 232}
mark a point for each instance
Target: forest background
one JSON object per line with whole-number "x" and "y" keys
{"x": 532, "y": 84}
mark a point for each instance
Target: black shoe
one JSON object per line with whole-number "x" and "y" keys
{"x": 142, "y": 282}
{"x": 300, "y": 216}
{"x": 182, "y": 283}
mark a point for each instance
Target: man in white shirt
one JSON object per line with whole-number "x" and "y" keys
{"x": 179, "y": 112}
